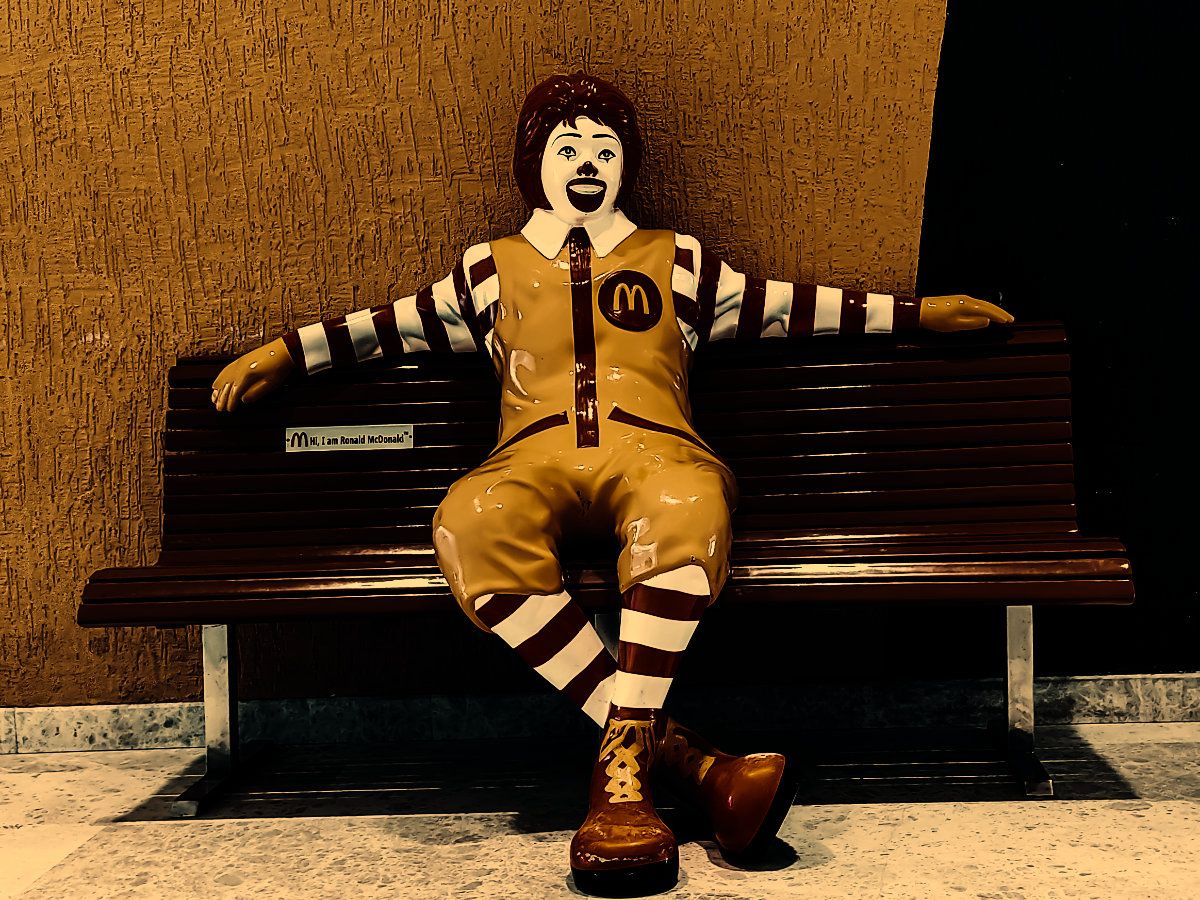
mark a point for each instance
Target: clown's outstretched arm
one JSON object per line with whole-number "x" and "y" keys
{"x": 718, "y": 303}
{"x": 455, "y": 314}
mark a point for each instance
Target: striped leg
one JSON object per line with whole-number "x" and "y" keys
{"x": 744, "y": 798}
{"x": 656, "y": 625}
{"x": 554, "y": 637}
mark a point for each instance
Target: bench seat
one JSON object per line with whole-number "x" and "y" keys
{"x": 303, "y": 583}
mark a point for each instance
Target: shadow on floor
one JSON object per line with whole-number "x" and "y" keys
{"x": 894, "y": 765}
{"x": 541, "y": 786}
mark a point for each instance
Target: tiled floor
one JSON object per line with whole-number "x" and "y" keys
{"x": 878, "y": 817}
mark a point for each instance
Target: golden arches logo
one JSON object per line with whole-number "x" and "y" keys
{"x": 633, "y": 295}
{"x": 631, "y": 300}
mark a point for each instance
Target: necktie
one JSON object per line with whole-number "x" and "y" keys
{"x": 580, "y": 248}
{"x": 587, "y": 433}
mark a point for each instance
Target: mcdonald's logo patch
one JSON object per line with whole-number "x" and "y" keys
{"x": 630, "y": 300}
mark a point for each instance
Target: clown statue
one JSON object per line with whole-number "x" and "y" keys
{"x": 591, "y": 324}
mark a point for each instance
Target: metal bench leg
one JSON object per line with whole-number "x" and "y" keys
{"x": 1018, "y": 737}
{"x": 607, "y": 623}
{"x": 220, "y": 720}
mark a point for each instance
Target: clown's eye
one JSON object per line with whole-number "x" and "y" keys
{"x": 606, "y": 155}
{"x": 567, "y": 152}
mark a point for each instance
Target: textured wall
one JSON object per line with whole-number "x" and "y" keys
{"x": 196, "y": 176}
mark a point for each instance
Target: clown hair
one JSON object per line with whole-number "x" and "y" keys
{"x": 563, "y": 98}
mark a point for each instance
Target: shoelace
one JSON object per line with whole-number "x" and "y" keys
{"x": 623, "y": 783}
{"x": 686, "y": 759}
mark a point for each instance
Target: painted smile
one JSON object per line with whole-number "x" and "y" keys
{"x": 586, "y": 194}
{"x": 587, "y": 185}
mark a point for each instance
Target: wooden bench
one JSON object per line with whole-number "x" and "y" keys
{"x": 930, "y": 470}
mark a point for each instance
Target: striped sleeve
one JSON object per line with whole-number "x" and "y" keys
{"x": 452, "y": 315}
{"x": 714, "y": 302}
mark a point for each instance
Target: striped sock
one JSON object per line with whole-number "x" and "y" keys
{"x": 554, "y": 637}
{"x": 656, "y": 625}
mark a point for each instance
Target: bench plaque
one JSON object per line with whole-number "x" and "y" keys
{"x": 348, "y": 437}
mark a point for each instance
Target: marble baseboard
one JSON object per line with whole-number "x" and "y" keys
{"x": 121, "y": 726}
{"x": 1063, "y": 700}
{"x": 1084, "y": 699}
{"x": 8, "y": 730}
{"x": 420, "y": 718}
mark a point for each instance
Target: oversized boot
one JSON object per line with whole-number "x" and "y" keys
{"x": 744, "y": 798}
{"x": 623, "y": 848}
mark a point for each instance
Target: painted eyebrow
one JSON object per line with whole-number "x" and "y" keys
{"x": 611, "y": 137}
{"x": 567, "y": 134}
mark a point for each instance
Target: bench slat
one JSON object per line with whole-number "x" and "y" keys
{"x": 386, "y": 546}
{"x": 431, "y": 420}
{"x": 375, "y": 525}
{"x": 431, "y": 596}
{"x": 183, "y": 471}
{"x": 798, "y": 372}
{"x": 718, "y": 396}
{"x": 903, "y": 517}
{"x": 280, "y": 491}
{"x": 418, "y": 504}
{"x": 474, "y": 413}
{"x": 749, "y": 549}
{"x": 285, "y": 590}
{"x": 900, "y": 394}
{"x": 216, "y": 582}
{"x": 454, "y": 435}
{"x": 758, "y": 444}
{"x": 389, "y": 537}
{"x": 708, "y": 376}
{"x": 415, "y": 459}
{"x": 717, "y": 423}
{"x": 950, "y": 593}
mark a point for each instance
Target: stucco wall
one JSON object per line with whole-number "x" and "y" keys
{"x": 193, "y": 177}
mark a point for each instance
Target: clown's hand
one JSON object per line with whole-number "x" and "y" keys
{"x": 958, "y": 312}
{"x": 252, "y": 375}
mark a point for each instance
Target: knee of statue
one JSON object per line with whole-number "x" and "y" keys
{"x": 454, "y": 515}
{"x": 461, "y": 521}
{"x": 446, "y": 544}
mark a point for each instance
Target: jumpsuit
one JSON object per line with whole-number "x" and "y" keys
{"x": 596, "y": 430}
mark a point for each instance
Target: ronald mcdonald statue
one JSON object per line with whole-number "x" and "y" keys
{"x": 591, "y": 323}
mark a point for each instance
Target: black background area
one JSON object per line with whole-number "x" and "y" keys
{"x": 1062, "y": 183}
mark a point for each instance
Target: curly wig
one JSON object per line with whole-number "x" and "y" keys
{"x": 564, "y": 98}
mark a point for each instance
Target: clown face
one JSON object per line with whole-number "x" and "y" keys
{"x": 581, "y": 170}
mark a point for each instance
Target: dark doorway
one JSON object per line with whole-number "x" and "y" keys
{"x": 1062, "y": 184}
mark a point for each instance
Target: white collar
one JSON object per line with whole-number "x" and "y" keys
{"x": 547, "y": 232}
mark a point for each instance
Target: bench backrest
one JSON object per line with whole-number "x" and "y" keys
{"x": 829, "y": 437}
